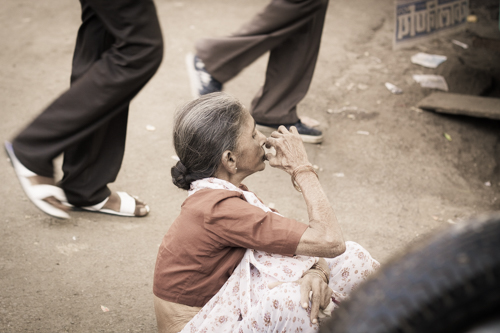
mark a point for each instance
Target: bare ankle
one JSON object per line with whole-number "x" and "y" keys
{"x": 41, "y": 180}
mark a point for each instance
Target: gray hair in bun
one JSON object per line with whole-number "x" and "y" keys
{"x": 203, "y": 129}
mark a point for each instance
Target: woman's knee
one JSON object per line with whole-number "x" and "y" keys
{"x": 285, "y": 297}
{"x": 282, "y": 308}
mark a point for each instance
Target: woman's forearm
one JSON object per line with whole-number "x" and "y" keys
{"x": 324, "y": 236}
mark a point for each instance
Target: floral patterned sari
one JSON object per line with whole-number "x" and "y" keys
{"x": 245, "y": 303}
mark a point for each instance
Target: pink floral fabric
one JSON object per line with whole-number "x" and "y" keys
{"x": 246, "y": 304}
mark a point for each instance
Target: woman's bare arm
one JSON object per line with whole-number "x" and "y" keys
{"x": 324, "y": 236}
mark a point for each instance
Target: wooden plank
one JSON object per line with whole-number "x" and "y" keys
{"x": 474, "y": 106}
{"x": 488, "y": 43}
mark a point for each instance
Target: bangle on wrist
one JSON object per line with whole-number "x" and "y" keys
{"x": 299, "y": 169}
{"x": 317, "y": 274}
{"x": 318, "y": 267}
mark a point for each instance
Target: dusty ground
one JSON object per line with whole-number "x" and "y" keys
{"x": 401, "y": 181}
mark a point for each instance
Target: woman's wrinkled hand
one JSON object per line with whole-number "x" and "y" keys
{"x": 321, "y": 293}
{"x": 290, "y": 151}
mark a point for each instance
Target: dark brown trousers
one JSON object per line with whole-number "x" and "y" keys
{"x": 291, "y": 30}
{"x": 119, "y": 48}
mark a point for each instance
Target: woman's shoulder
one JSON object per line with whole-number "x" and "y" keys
{"x": 210, "y": 197}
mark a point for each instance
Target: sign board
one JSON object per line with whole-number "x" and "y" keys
{"x": 425, "y": 19}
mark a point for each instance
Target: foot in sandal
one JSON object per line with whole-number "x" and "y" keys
{"x": 121, "y": 204}
{"x": 42, "y": 191}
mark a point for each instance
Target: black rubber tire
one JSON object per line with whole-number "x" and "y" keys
{"x": 448, "y": 283}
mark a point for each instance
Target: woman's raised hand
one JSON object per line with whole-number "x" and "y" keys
{"x": 290, "y": 151}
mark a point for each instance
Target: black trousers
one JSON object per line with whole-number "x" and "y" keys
{"x": 119, "y": 48}
{"x": 291, "y": 30}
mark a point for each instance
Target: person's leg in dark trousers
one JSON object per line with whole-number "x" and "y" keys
{"x": 88, "y": 122}
{"x": 92, "y": 163}
{"x": 291, "y": 30}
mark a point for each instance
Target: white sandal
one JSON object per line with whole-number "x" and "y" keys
{"x": 127, "y": 206}
{"x": 37, "y": 193}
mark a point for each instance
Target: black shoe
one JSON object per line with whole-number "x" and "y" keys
{"x": 308, "y": 134}
{"x": 202, "y": 82}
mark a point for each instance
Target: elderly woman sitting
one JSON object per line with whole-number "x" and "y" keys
{"x": 229, "y": 263}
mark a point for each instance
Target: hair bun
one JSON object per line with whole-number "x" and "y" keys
{"x": 180, "y": 176}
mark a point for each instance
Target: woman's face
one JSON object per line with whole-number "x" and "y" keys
{"x": 250, "y": 151}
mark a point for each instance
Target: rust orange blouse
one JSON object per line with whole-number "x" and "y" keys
{"x": 208, "y": 240}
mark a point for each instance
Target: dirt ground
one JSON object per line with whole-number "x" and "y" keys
{"x": 398, "y": 180}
